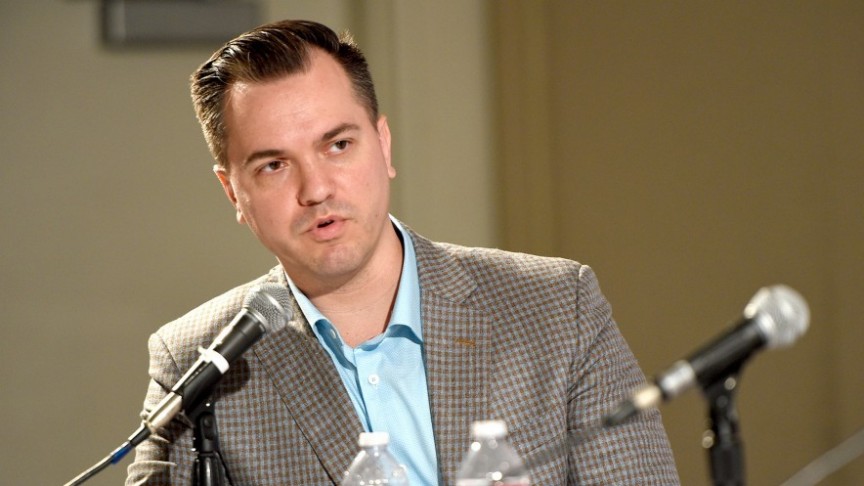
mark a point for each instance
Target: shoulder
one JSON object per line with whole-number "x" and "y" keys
{"x": 493, "y": 278}
{"x": 505, "y": 275}
{"x": 489, "y": 262}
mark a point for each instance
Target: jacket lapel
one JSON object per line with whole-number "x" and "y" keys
{"x": 324, "y": 412}
{"x": 458, "y": 352}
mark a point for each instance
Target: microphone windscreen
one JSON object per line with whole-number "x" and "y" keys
{"x": 781, "y": 313}
{"x": 272, "y": 302}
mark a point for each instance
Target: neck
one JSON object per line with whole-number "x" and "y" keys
{"x": 360, "y": 306}
{"x": 373, "y": 291}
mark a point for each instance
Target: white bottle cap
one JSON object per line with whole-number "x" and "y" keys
{"x": 370, "y": 439}
{"x": 489, "y": 429}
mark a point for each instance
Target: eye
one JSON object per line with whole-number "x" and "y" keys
{"x": 272, "y": 166}
{"x": 339, "y": 146}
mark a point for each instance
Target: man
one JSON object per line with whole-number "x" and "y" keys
{"x": 391, "y": 332}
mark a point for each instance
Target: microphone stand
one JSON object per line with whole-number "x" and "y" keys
{"x": 725, "y": 449}
{"x": 209, "y": 468}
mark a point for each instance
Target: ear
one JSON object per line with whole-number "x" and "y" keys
{"x": 384, "y": 142}
{"x": 225, "y": 180}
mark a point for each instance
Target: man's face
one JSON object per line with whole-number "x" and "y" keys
{"x": 309, "y": 172}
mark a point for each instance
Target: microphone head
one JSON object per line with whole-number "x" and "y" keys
{"x": 781, "y": 314}
{"x": 272, "y": 302}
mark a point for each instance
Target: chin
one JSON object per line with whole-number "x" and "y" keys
{"x": 337, "y": 262}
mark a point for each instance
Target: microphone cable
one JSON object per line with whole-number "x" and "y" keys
{"x": 829, "y": 462}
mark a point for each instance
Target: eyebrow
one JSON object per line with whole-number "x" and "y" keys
{"x": 344, "y": 127}
{"x": 267, "y": 153}
{"x": 261, "y": 154}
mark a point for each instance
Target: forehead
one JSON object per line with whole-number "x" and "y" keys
{"x": 303, "y": 104}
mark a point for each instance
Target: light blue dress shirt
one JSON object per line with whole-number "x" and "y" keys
{"x": 386, "y": 375}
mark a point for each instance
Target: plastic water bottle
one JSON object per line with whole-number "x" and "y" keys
{"x": 491, "y": 459}
{"x": 374, "y": 465}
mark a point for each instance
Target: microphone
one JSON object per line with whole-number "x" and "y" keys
{"x": 774, "y": 318}
{"x": 265, "y": 309}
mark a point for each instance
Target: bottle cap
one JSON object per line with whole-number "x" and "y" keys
{"x": 369, "y": 439}
{"x": 492, "y": 429}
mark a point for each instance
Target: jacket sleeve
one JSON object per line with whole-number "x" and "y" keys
{"x": 604, "y": 373}
{"x": 165, "y": 458}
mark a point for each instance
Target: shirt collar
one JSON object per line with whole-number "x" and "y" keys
{"x": 406, "y": 309}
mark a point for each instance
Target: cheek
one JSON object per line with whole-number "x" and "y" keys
{"x": 258, "y": 210}
{"x": 264, "y": 195}
{"x": 374, "y": 183}
{"x": 379, "y": 191}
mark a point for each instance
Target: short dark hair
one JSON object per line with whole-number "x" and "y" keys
{"x": 267, "y": 53}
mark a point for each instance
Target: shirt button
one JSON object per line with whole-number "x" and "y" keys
{"x": 374, "y": 380}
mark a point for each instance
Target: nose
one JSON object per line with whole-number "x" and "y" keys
{"x": 315, "y": 185}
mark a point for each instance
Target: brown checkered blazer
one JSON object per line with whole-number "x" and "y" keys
{"x": 526, "y": 339}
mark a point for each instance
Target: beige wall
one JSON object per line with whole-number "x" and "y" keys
{"x": 689, "y": 155}
{"x": 692, "y": 152}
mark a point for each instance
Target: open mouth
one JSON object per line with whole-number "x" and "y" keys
{"x": 325, "y": 223}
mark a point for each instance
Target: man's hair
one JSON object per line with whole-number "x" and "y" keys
{"x": 265, "y": 54}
